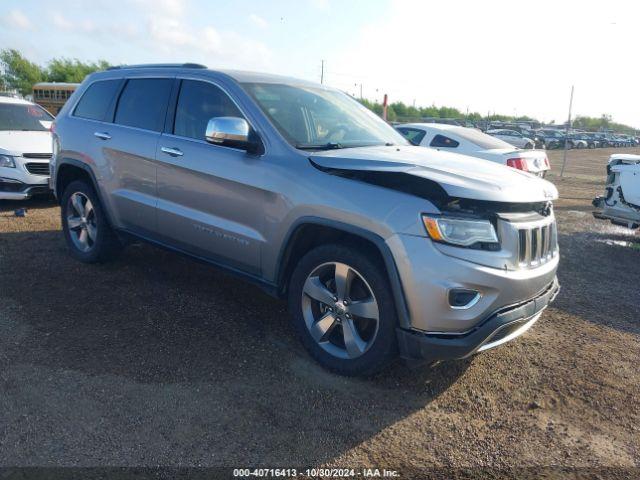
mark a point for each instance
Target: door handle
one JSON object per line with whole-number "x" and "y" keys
{"x": 174, "y": 152}
{"x": 103, "y": 135}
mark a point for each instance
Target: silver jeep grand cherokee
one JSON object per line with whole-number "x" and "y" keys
{"x": 381, "y": 248}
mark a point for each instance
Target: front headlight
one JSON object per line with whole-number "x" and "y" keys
{"x": 460, "y": 231}
{"x": 7, "y": 161}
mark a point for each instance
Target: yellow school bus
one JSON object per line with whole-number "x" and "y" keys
{"x": 52, "y": 96}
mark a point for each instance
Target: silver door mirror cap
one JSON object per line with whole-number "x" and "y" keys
{"x": 230, "y": 131}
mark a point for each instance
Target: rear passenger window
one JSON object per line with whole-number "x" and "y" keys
{"x": 441, "y": 141}
{"x": 198, "y": 103}
{"x": 143, "y": 103}
{"x": 95, "y": 102}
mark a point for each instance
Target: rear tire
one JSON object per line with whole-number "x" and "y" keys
{"x": 336, "y": 324}
{"x": 85, "y": 226}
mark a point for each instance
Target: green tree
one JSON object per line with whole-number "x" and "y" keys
{"x": 73, "y": 71}
{"x": 430, "y": 112}
{"x": 18, "y": 72}
{"x": 399, "y": 108}
{"x": 21, "y": 74}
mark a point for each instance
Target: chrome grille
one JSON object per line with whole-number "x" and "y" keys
{"x": 43, "y": 156}
{"x": 537, "y": 245}
{"x": 39, "y": 168}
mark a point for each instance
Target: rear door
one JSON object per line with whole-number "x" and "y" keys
{"x": 210, "y": 202}
{"x": 129, "y": 151}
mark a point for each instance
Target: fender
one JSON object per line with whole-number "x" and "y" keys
{"x": 377, "y": 240}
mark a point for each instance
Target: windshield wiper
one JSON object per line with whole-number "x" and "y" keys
{"x": 319, "y": 146}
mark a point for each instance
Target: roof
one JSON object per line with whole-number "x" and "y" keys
{"x": 15, "y": 101}
{"x": 237, "y": 75}
{"x": 625, "y": 156}
{"x": 434, "y": 126}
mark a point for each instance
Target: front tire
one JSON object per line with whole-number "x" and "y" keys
{"x": 343, "y": 310}
{"x": 85, "y": 226}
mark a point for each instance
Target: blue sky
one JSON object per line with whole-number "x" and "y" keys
{"x": 488, "y": 56}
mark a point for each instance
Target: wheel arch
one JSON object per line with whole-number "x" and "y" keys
{"x": 69, "y": 170}
{"x": 311, "y": 232}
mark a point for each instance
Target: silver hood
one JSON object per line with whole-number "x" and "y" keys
{"x": 459, "y": 175}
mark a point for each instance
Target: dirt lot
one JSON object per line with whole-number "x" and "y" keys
{"x": 158, "y": 360}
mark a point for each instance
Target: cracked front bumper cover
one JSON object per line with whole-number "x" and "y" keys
{"x": 501, "y": 327}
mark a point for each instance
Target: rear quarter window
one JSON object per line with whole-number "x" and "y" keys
{"x": 440, "y": 141}
{"x": 95, "y": 102}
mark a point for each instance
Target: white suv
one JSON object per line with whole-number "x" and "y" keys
{"x": 25, "y": 149}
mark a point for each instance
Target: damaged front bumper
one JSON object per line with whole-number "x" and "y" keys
{"x": 500, "y": 327}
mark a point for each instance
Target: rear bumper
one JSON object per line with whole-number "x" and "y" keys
{"x": 501, "y": 327}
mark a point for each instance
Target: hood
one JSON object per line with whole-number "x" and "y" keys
{"x": 458, "y": 175}
{"x": 16, "y": 142}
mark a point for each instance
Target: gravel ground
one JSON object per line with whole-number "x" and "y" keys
{"x": 158, "y": 360}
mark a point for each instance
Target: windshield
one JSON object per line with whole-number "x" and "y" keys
{"x": 24, "y": 117}
{"x": 480, "y": 139}
{"x": 317, "y": 118}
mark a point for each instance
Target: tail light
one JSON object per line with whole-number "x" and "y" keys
{"x": 519, "y": 163}
{"x": 546, "y": 162}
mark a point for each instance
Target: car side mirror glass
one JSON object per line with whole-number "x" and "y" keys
{"x": 233, "y": 132}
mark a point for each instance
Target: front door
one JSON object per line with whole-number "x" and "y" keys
{"x": 210, "y": 203}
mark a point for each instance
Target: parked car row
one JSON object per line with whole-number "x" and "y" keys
{"x": 552, "y": 138}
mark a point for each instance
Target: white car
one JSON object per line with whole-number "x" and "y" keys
{"x": 474, "y": 143}
{"x": 513, "y": 137}
{"x": 621, "y": 201}
{"x": 25, "y": 149}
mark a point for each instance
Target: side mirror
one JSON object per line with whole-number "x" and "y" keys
{"x": 233, "y": 132}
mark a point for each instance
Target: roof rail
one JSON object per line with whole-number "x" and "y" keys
{"x": 159, "y": 65}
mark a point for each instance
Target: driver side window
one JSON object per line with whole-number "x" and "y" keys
{"x": 198, "y": 103}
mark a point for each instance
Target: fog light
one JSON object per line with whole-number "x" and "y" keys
{"x": 462, "y": 298}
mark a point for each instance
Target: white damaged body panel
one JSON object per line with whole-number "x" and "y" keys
{"x": 621, "y": 201}
{"x": 458, "y": 175}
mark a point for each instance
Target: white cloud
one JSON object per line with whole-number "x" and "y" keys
{"x": 16, "y": 18}
{"x": 258, "y": 21}
{"x": 212, "y": 40}
{"x": 163, "y": 7}
{"x": 170, "y": 33}
{"x": 61, "y": 22}
{"x": 175, "y": 39}
{"x": 320, "y": 4}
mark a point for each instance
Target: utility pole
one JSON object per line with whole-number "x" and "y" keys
{"x": 384, "y": 107}
{"x": 566, "y": 134}
{"x": 322, "y": 72}
{"x": 360, "y": 91}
